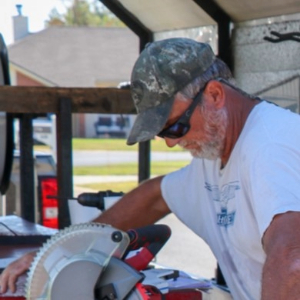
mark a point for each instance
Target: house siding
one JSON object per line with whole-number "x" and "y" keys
{"x": 23, "y": 80}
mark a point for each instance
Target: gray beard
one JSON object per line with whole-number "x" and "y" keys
{"x": 215, "y": 130}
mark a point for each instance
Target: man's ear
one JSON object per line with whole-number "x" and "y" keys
{"x": 215, "y": 93}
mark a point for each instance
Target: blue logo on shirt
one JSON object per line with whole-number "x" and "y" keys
{"x": 224, "y": 218}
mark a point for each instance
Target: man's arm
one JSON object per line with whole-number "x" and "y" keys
{"x": 140, "y": 207}
{"x": 281, "y": 272}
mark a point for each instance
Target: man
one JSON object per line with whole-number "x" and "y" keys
{"x": 241, "y": 191}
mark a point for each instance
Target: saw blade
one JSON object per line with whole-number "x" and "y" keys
{"x": 70, "y": 262}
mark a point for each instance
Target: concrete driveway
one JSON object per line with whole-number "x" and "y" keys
{"x": 186, "y": 251}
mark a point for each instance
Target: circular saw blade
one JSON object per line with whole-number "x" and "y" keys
{"x": 70, "y": 262}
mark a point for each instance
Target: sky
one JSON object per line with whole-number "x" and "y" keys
{"x": 37, "y": 12}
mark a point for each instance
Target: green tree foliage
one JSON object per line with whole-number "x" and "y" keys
{"x": 55, "y": 19}
{"x": 83, "y": 13}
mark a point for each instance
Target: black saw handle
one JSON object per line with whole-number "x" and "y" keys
{"x": 151, "y": 239}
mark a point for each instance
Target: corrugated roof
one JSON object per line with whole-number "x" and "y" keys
{"x": 78, "y": 56}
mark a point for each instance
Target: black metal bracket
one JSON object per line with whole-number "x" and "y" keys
{"x": 64, "y": 160}
{"x": 282, "y": 37}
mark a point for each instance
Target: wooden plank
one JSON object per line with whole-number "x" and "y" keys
{"x": 24, "y": 99}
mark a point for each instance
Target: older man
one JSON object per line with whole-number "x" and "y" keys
{"x": 241, "y": 191}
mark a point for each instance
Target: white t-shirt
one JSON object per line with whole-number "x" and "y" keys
{"x": 231, "y": 208}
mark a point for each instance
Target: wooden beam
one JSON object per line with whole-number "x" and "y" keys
{"x": 19, "y": 99}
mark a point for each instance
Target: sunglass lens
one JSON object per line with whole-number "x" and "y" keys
{"x": 175, "y": 131}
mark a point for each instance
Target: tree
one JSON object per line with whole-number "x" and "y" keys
{"x": 84, "y": 13}
{"x": 55, "y": 19}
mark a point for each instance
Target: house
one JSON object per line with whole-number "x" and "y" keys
{"x": 75, "y": 57}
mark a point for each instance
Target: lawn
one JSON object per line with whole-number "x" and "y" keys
{"x": 112, "y": 145}
{"x": 157, "y": 167}
{"x": 118, "y": 144}
{"x": 113, "y": 186}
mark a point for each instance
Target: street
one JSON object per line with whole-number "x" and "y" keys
{"x": 95, "y": 158}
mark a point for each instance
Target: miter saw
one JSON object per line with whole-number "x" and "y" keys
{"x": 92, "y": 261}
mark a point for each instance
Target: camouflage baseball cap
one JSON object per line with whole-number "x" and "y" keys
{"x": 163, "y": 68}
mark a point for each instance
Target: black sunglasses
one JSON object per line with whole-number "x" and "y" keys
{"x": 182, "y": 125}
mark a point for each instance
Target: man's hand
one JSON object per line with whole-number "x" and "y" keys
{"x": 10, "y": 275}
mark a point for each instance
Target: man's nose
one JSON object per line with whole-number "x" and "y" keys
{"x": 171, "y": 142}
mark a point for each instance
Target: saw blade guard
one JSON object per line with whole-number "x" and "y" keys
{"x": 64, "y": 268}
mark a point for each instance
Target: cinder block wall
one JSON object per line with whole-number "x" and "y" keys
{"x": 259, "y": 64}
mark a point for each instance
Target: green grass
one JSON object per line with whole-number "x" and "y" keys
{"x": 157, "y": 168}
{"x": 111, "y": 145}
{"x": 117, "y": 144}
{"x": 114, "y": 186}
{"x": 119, "y": 169}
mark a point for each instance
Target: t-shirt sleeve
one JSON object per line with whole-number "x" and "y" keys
{"x": 273, "y": 178}
{"x": 178, "y": 191}
{"x": 173, "y": 187}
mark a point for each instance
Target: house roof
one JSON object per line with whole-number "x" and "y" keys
{"x": 77, "y": 56}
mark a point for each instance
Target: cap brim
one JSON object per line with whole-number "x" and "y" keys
{"x": 149, "y": 123}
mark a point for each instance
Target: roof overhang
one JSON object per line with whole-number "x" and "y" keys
{"x": 245, "y": 10}
{"x": 169, "y": 15}
{"x": 148, "y": 19}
